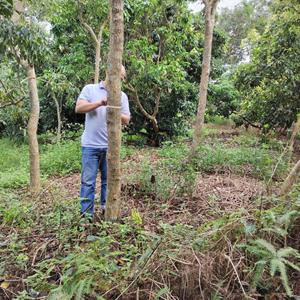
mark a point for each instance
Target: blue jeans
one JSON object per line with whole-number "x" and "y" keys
{"x": 92, "y": 160}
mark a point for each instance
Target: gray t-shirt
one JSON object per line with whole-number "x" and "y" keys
{"x": 95, "y": 130}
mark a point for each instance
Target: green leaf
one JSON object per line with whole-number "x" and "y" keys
{"x": 274, "y": 266}
{"x": 284, "y": 278}
{"x": 292, "y": 265}
{"x": 258, "y": 271}
{"x": 286, "y": 252}
{"x": 266, "y": 245}
{"x": 162, "y": 292}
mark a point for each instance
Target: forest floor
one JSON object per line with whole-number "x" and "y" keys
{"x": 201, "y": 213}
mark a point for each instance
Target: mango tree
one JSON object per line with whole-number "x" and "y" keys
{"x": 23, "y": 39}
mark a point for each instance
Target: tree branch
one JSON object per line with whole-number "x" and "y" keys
{"x": 138, "y": 102}
{"x": 11, "y": 103}
{"x": 101, "y": 30}
{"x": 157, "y": 100}
{"x": 152, "y": 117}
{"x": 89, "y": 29}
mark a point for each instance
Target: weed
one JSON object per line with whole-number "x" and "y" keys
{"x": 276, "y": 260}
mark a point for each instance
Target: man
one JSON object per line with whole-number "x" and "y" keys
{"x": 92, "y": 101}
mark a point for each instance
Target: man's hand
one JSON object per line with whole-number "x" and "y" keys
{"x": 125, "y": 119}
{"x": 104, "y": 102}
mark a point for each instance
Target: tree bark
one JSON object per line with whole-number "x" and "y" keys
{"x": 34, "y": 157}
{"x": 114, "y": 109}
{"x": 210, "y": 9}
{"x": 58, "y": 112}
{"x": 291, "y": 179}
{"x": 97, "y": 63}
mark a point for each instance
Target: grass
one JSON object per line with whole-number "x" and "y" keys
{"x": 67, "y": 261}
{"x": 245, "y": 153}
{"x": 55, "y": 159}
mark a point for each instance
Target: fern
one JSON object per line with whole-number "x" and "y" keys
{"x": 292, "y": 265}
{"x": 275, "y": 259}
{"x": 288, "y": 217}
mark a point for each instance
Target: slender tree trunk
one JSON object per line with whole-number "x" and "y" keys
{"x": 210, "y": 8}
{"x": 34, "y": 156}
{"x": 32, "y": 126}
{"x": 291, "y": 179}
{"x": 97, "y": 63}
{"x": 58, "y": 112}
{"x": 97, "y": 42}
{"x": 114, "y": 109}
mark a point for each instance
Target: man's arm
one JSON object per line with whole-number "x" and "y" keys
{"x": 83, "y": 106}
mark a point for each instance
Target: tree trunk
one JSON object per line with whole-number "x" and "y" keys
{"x": 58, "y": 112}
{"x": 291, "y": 179}
{"x": 210, "y": 8}
{"x": 34, "y": 156}
{"x": 97, "y": 63}
{"x": 32, "y": 126}
{"x": 114, "y": 109}
{"x": 97, "y": 41}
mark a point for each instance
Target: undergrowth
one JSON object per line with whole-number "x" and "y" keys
{"x": 109, "y": 259}
{"x": 46, "y": 251}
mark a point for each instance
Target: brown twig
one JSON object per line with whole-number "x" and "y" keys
{"x": 199, "y": 276}
{"x": 238, "y": 277}
{"x": 43, "y": 248}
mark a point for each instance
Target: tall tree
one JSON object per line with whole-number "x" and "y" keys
{"x": 210, "y": 10}
{"x": 114, "y": 108}
{"x": 269, "y": 85}
{"x": 18, "y": 35}
{"x": 246, "y": 18}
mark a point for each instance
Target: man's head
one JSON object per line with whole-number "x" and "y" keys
{"x": 123, "y": 74}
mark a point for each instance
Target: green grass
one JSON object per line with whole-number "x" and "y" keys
{"x": 243, "y": 152}
{"x": 258, "y": 158}
{"x": 14, "y": 164}
{"x": 54, "y": 159}
{"x": 94, "y": 261}
{"x": 61, "y": 158}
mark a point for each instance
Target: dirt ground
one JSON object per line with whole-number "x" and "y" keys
{"x": 214, "y": 195}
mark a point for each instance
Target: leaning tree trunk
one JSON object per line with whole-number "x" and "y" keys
{"x": 114, "y": 109}
{"x": 210, "y": 9}
{"x": 291, "y": 179}
{"x": 32, "y": 126}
